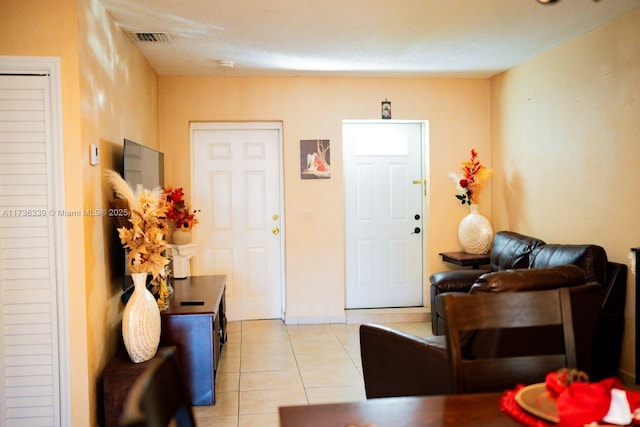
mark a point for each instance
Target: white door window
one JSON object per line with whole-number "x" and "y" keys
{"x": 384, "y": 230}
{"x": 237, "y": 185}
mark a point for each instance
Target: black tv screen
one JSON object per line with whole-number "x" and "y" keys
{"x": 145, "y": 166}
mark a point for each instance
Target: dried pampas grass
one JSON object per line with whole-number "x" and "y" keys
{"x": 143, "y": 232}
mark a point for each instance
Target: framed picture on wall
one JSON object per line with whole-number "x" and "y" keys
{"x": 315, "y": 159}
{"x": 386, "y": 109}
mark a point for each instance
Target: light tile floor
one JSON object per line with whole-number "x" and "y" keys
{"x": 266, "y": 364}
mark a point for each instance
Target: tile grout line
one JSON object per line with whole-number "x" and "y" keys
{"x": 353, "y": 362}
{"x": 295, "y": 357}
{"x": 239, "y": 375}
{"x": 348, "y": 339}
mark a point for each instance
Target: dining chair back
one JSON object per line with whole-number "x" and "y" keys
{"x": 159, "y": 395}
{"x": 469, "y": 313}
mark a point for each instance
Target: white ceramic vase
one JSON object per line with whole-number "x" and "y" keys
{"x": 181, "y": 237}
{"x": 141, "y": 321}
{"x": 475, "y": 233}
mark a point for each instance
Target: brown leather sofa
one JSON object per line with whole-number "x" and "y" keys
{"x": 511, "y": 250}
{"x": 399, "y": 364}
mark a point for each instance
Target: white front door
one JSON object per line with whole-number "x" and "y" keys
{"x": 383, "y": 213}
{"x": 237, "y": 185}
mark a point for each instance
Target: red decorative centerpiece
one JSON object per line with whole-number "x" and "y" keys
{"x": 179, "y": 214}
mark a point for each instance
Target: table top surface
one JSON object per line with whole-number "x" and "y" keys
{"x": 465, "y": 256}
{"x": 429, "y": 411}
{"x": 201, "y": 293}
{"x": 465, "y": 260}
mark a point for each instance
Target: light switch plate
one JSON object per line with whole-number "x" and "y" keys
{"x": 94, "y": 157}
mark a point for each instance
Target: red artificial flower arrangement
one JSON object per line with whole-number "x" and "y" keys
{"x": 475, "y": 176}
{"x": 177, "y": 210}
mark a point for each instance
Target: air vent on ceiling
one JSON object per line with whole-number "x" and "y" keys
{"x": 152, "y": 37}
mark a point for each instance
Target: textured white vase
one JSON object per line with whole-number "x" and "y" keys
{"x": 141, "y": 321}
{"x": 475, "y": 233}
{"x": 181, "y": 237}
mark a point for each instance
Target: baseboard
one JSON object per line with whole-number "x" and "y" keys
{"x": 313, "y": 320}
{"x": 369, "y": 315}
{"x": 388, "y": 315}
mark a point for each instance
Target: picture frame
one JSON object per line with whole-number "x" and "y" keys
{"x": 386, "y": 109}
{"x": 315, "y": 159}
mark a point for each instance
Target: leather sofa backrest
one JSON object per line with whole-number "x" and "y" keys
{"x": 511, "y": 250}
{"x": 530, "y": 279}
{"x": 591, "y": 258}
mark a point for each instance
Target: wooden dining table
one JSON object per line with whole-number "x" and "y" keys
{"x": 429, "y": 411}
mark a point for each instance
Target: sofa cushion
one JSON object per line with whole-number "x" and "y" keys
{"x": 530, "y": 279}
{"x": 591, "y": 258}
{"x": 511, "y": 250}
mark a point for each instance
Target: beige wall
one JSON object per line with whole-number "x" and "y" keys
{"x": 313, "y": 108}
{"x": 119, "y": 99}
{"x": 565, "y": 144}
{"x": 109, "y": 92}
{"x": 45, "y": 28}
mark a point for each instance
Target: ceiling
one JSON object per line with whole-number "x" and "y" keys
{"x": 358, "y": 38}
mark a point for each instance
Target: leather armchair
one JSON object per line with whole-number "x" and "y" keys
{"x": 516, "y": 251}
{"x": 400, "y": 364}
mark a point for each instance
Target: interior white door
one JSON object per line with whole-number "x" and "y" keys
{"x": 33, "y": 353}
{"x": 383, "y": 213}
{"x": 237, "y": 184}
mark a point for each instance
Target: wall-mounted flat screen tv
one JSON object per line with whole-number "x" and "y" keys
{"x": 145, "y": 166}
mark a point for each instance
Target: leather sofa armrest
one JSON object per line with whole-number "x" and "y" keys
{"x": 449, "y": 281}
{"x": 615, "y": 289}
{"x": 395, "y": 363}
{"x": 530, "y": 279}
{"x": 455, "y": 280}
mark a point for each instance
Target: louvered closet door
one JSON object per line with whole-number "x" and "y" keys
{"x": 29, "y": 365}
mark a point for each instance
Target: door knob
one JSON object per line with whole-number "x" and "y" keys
{"x": 275, "y": 230}
{"x": 416, "y": 230}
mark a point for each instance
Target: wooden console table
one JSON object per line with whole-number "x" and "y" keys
{"x": 117, "y": 378}
{"x": 464, "y": 259}
{"x": 196, "y": 325}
